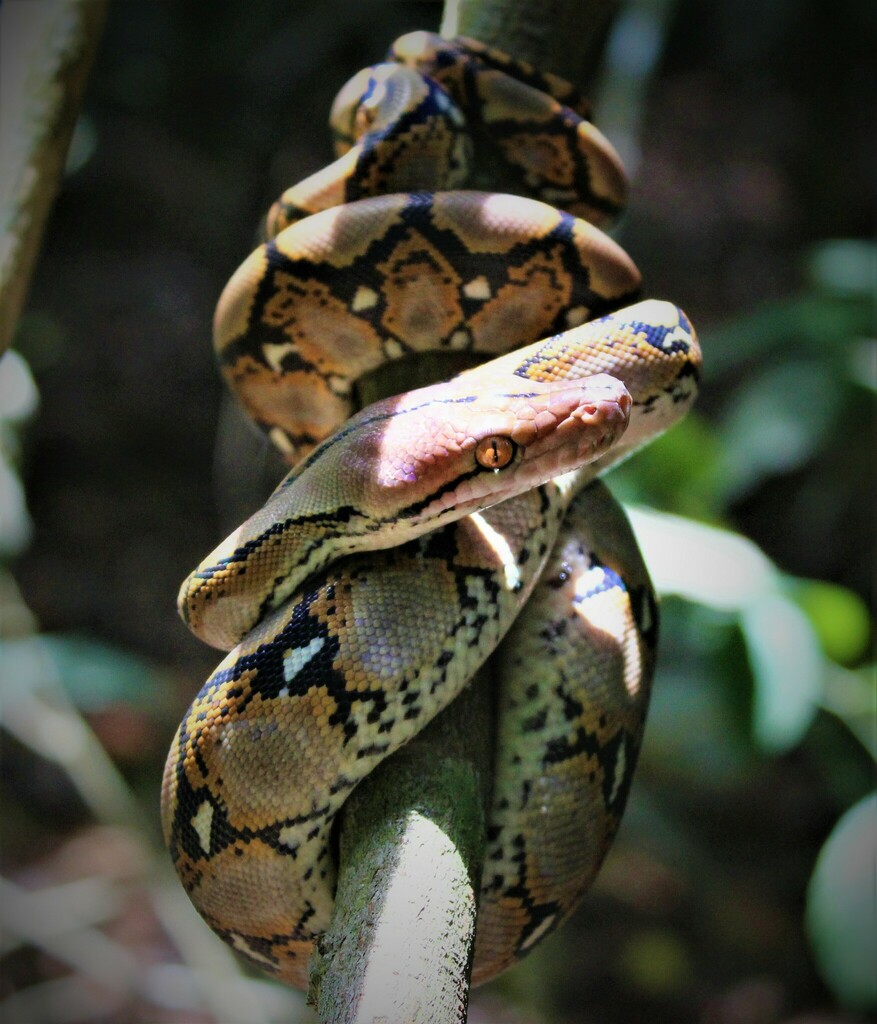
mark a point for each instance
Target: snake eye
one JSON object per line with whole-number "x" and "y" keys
{"x": 494, "y": 452}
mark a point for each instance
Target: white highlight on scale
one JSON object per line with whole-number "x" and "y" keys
{"x": 500, "y": 546}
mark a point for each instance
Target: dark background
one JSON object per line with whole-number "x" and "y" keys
{"x": 749, "y": 128}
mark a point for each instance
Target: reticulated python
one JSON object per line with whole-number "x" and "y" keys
{"x": 394, "y": 557}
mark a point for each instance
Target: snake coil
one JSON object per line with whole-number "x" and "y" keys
{"x": 408, "y": 537}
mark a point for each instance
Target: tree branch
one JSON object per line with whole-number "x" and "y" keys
{"x": 46, "y": 50}
{"x": 412, "y": 841}
{"x": 563, "y": 36}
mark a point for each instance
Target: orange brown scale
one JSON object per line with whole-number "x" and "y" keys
{"x": 527, "y": 73}
{"x": 421, "y": 293}
{"x": 508, "y": 90}
{"x": 533, "y": 296}
{"x": 414, "y": 276}
{"x": 307, "y": 310}
{"x": 546, "y": 154}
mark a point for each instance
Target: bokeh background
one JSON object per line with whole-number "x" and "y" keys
{"x": 741, "y": 886}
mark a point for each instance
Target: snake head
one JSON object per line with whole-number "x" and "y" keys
{"x": 396, "y": 470}
{"x": 451, "y": 450}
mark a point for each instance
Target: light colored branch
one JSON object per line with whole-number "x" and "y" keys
{"x": 46, "y": 50}
{"x": 412, "y": 841}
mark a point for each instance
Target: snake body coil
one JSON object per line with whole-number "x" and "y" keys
{"x": 408, "y": 537}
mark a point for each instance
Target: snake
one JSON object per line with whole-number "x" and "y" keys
{"x": 409, "y": 536}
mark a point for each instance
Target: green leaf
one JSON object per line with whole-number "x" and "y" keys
{"x": 845, "y": 266}
{"x": 679, "y": 472}
{"x": 841, "y": 913}
{"x": 839, "y": 616}
{"x": 726, "y": 572}
{"x": 689, "y": 744}
{"x": 817, "y": 326}
{"x": 19, "y": 397}
{"x": 851, "y": 694}
{"x": 656, "y": 961}
{"x": 701, "y": 563}
{"x": 15, "y": 522}
{"x": 787, "y": 668}
{"x": 94, "y": 674}
{"x": 862, "y": 363}
{"x": 777, "y": 423}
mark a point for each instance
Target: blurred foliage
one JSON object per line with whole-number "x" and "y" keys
{"x": 740, "y": 890}
{"x": 841, "y": 929}
{"x": 776, "y": 416}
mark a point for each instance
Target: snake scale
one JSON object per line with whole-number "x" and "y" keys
{"x": 408, "y": 537}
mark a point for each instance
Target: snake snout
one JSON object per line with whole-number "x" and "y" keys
{"x": 615, "y": 407}
{"x": 603, "y": 401}
{"x": 605, "y": 417}
{"x": 611, "y": 413}
{"x": 578, "y": 423}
